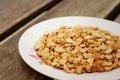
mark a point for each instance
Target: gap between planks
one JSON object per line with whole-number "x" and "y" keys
{"x": 114, "y": 13}
{"x": 28, "y": 19}
{"x": 22, "y": 28}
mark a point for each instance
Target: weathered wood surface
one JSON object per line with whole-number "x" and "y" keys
{"x": 118, "y": 19}
{"x": 13, "y": 67}
{"x": 11, "y": 12}
{"x": 95, "y": 8}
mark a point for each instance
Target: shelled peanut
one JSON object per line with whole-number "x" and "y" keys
{"x": 79, "y": 49}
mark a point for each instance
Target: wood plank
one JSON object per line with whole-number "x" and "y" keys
{"x": 12, "y": 12}
{"x": 93, "y": 8}
{"x": 12, "y": 67}
{"x": 9, "y": 49}
{"x": 118, "y": 19}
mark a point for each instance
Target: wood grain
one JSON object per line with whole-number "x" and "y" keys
{"x": 11, "y": 12}
{"x": 12, "y": 64}
{"x": 95, "y": 8}
{"x": 12, "y": 67}
{"x": 118, "y": 19}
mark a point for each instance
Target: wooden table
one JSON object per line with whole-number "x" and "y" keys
{"x": 18, "y": 15}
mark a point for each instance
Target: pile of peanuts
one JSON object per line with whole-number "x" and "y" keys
{"x": 80, "y": 49}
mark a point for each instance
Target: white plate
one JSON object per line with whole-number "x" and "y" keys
{"x": 31, "y": 35}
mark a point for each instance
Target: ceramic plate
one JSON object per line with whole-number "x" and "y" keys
{"x": 30, "y": 36}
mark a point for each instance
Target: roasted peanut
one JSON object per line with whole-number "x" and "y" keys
{"x": 79, "y": 49}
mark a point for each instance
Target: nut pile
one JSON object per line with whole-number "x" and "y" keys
{"x": 80, "y": 49}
